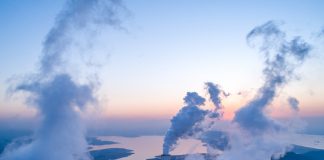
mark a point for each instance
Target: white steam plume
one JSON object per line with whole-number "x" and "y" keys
{"x": 253, "y": 134}
{"x": 58, "y": 97}
{"x": 183, "y": 123}
{"x": 187, "y": 123}
{"x": 294, "y": 103}
{"x": 282, "y": 57}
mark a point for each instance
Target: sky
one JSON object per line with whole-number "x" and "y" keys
{"x": 169, "y": 47}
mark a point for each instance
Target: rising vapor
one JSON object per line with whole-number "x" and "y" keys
{"x": 253, "y": 126}
{"x": 58, "y": 97}
{"x": 76, "y": 15}
{"x": 282, "y": 57}
{"x": 188, "y": 122}
{"x": 252, "y": 134}
{"x": 215, "y": 92}
{"x": 182, "y": 125}
{"x": 294, "y": 103}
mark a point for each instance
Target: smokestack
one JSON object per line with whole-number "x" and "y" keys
{"x": 187, "y": 122}
{"x": 165, "y": 157}
{"x": 183, "y": 124}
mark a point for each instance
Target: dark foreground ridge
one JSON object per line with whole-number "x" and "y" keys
{"x": 313, "y": 155}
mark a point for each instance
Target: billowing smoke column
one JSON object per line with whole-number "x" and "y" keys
{"x": 214, "y": 92}
{"x": 255, "y": 135}
{"x": 76, "y": 15}
{"x": 294, "y": 103}
{"x": 214, "y": 139}
{"x": 59, "y": 98}
{"x": 183, "y": 123}
{"x": 187, "y": 122}
{"x": 60, "y": 135}
{"x": 282, "y": 57}
{"x": 252, "y": 134}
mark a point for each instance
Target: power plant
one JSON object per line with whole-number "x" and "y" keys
{"x": 169, "y": 157}
{"x": 180, "y": 157}
{"x": 165, "y": 157}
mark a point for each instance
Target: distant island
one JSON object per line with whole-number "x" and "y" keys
{"x": 97, "y": 142}
{"x": 110, "y": 153}
{"x": 104, "y": 154}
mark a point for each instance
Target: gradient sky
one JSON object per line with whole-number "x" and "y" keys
{"x": 170, "y": 47}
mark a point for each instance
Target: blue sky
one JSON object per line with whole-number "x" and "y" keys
{"x": 170, "y": 47}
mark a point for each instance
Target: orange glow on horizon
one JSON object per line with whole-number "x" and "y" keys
{"x": 168, "y": 109}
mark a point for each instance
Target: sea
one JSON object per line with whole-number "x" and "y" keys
{"x": 149, "y": 147}
{"x": 145, "y": 147}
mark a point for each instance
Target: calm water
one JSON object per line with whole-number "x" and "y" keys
{"x": 149, "y": 146}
